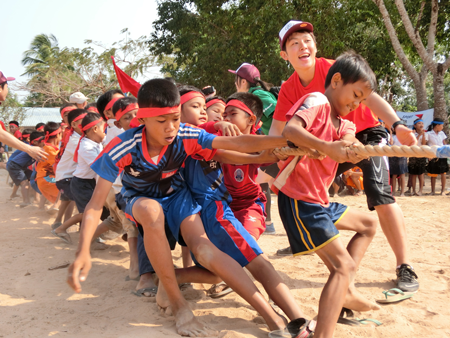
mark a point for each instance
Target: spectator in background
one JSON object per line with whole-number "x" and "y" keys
{"x": 79, "y": 99}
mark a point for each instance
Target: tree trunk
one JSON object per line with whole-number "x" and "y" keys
{"x": 421, "y": 92}
{"x": 440, "y": 107}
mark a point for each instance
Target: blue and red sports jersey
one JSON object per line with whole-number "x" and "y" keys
{"x": 142, "y": 176}
{"x": 205, "y": 180}
{"x": 240, "y": 182}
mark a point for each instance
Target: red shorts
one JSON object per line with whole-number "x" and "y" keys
{"x": 253, "y": 218}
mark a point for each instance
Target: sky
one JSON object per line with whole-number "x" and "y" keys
{"x": 71, "y": 22}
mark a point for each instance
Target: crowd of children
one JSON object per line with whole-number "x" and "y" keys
{"x": 143, "y": 168}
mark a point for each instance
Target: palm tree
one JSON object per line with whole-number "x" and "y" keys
{"x": 43, "y": 53}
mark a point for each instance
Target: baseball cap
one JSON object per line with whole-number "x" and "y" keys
{"x": 3, "y": 78}
{"x": 77, "y": 98}
{"x": 291, "y": 27}
{"x": 246, "y": 71}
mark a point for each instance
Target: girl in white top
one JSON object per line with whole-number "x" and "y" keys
{"x": 416, "y": 165}
{"x": 437, "y": 166}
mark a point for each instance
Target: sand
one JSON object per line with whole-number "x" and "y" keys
{"x": 37, "y": 302}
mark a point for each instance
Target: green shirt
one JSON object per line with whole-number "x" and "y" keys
{"x": 269, "y": 102}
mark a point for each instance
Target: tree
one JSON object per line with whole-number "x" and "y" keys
{"x": 436, "y": 63}
{"x": 12, "y": 109}
{"x": 55, "y": 73}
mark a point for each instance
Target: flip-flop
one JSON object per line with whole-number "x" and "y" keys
{"x": 298, "y": 328}
{"x": 64, "y": 236}
{"x": 347, "y": 317}
{"x": 127, "y": 278}
{"x": 141, "y": 292}
{"x": 56, "y": 225}
{"x": 220, "y": 294}
{"x": 394, "y": 295}
{"x": 52, "y": 211}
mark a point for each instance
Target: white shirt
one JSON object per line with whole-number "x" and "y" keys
{"x": 67, "y": 165}
{"x": 87, "y": 153}
{"x": 436, "y": 139}
{"x": 111, "y": 132}
{"x": 419, "y": 138}
{"x": 395, "y": 141}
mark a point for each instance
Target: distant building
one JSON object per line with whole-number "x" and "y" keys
{"x": 34, "y": 115}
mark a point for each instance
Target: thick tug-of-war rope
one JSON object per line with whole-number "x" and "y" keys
{"x": 393, "y": 151}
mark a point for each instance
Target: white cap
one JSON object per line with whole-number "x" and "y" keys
{"x": 78, "y": 98}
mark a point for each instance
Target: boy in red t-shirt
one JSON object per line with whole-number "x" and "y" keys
{"x": 249, "y": 201}
{"x": 310, "y": 220}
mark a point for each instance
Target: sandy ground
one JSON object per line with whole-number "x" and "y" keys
{"x": 36, "y": 301}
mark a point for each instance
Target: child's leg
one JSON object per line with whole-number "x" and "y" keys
{"x": 14, "y": 192}
{"x": 342, "y": 270}
{"x": 394, "y": 184}
{"x": 62, "y": 210}
{"x": 186, "y": 256}
{"x": 421, "y": 180}
{"x": 433, "y": 185}
{"x": 227, "y": 269}
{"x": 264, "y": 272}
{"x": 413, "y": 183}
{"x": 67, "y": 224}
{"x": 24, "y": 190}
{"x": 443, "y": 181}
{"x": 402, "y": 184}
{"x": 365, "y": 227}
{"x": 69, "y": 211}
{"x": 150, "y": 215}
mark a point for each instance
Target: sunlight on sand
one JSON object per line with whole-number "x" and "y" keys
{"x": 147, "y": 325}
{"x": 6, "y": 300}
{"x": 81, "y": 296}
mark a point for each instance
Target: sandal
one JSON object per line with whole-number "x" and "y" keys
{"x": 64, "y": 236}
{"x": 347, "y": 317}
{"x": 298, "y": 328}
{"x": 225, "y": 291}
{"x": 142, "y": 292}
{"x": 394, "y": 295}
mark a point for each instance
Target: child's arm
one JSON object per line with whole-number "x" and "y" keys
{"x": 79, "y": 269}
{"x": 233, "y": 157}
{"x": 248, "y": 143}
{"x": 295, "y": 131}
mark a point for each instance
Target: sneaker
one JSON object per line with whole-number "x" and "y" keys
{"x": 270, "y": 230}
{"x": 285, "y": 252}
{"x": 407, "y": 279}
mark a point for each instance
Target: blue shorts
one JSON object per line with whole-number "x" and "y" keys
{"x": 176, "y": 208}
{"x": 227, "y": 233}
{"x": 309, "y": 226}
{"x": 18, "y": 175}
{"x": 33, "y": 182}
{"x": 64, "y": 187}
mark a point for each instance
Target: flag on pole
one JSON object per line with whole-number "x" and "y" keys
{"x": 126, "y": 83}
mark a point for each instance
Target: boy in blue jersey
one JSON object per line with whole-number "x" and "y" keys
{"x": 151, "y": 157}
{"x": 18, "y": 164}
{"x": 205, "y": 180}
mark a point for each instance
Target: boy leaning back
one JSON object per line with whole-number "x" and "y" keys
{"x": 310, "y": 220}
{"x": 151, "y": 157}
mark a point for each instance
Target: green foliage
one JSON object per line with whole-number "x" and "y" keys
{"x": 55, "y": 73}
{"x": 11, "y": 109}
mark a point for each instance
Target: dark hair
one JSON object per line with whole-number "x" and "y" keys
{"x": 215, "y": 98}
{"x": 27, "y": 131}
{"x": 50, "y": 127}
{"x": 66, "y": 105}
{"x": 73, "y": 114}
{"x": 3, "y": 84}
{"x": 94, "y": 104}
{"x": 158, "y": 93}
{"x": 104, "y": 99}
{"x": 171, "y": 79}
{"x": 414, "y": 124}
{"x": 90, "y": 117}
{"x": 353, "y": 68}
{"x": 122, "y": 103}
{"x": 15, "y": 122}
{"x": 432, "y": 125}
{"x": 300, "y": 31}
{"x": 36, "y": 134}
{"x": 250, "y": 100}
{"x": 257, "y": 82}
{"x": 184, "y": 89}
{"x": 40, "y": 124}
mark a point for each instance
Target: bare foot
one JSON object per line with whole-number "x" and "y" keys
{"x": 419, "y": 194}
{"x": 188, "y": 325}
{"x": 356, "y": 301}
{"x": 163, "y": 301}
{"x": 402, "y": 195}
{"x": 146, "y": 281}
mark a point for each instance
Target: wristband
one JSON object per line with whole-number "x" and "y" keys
{"x": 395, "y": 124}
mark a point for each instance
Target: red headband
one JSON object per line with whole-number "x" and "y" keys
{"x": 211, "y": 102}
{"x": 130, "y": 107}
{"x": 111, "y": 103}
{"x": 134, "y": 123}
{"x": 38, "y": 139}
{"x": 64, "y": 124}
{"x": 14, "y": 124}
{"x": 152, "y": 112}
{"x": 53, "y": 133}
{"x": 241, "y": 105}
{"x": 67, "y": 109}
{"x": 189, "y": 96}
{"x": 40, "y": 128}
{"x": 83, "y": 129}
{"x": 92, "y": 109}
{"x": 25, "y": 135}
{"x": 79, "y": 117}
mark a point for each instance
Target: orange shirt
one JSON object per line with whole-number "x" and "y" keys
{"x": 45, "y": 168}
{"x": 292, "y": 90}
{"x": 310, "y": 179}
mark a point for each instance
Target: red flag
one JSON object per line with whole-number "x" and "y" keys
{"x": 126, "y": 83}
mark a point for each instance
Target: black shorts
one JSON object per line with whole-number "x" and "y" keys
{"x": 82, "y": 191}
{"x": 64, "y": 187}
{"x": 271, "y": 170}
{"x": 375, "y": 170}
{"x": 18, "y": 175}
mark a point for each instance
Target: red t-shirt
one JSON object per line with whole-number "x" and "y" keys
{"x": 292, "y": 90}
{"x": 18, "y": 134}
{"x": 310, "y": 179}
{"x": 2, "y": 125}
